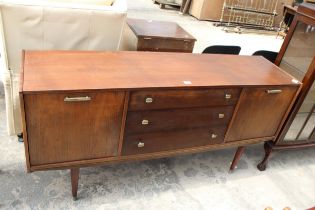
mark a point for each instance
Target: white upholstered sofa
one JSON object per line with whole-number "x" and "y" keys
{"x": 48, "y": 25}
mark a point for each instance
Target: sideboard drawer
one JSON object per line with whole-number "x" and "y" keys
{"x": 148, "y": 100}
{"x": 173, "y": 119}
{"x": 163, "y": 141}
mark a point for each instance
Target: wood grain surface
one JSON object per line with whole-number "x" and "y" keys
{"x": 60, "y": 131}
{"x": 174, "y": 119}
{"x": 259, "y": 113}
{"x": 153, "y": 28}
{"x": 167, "y": 99}
{"x": 172, "y": 140}
{"x": 73, "y": 70}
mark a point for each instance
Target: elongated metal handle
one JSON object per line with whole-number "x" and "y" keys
{"x": 228, "y": 96}
{"x": 140, "y": 144}
{"x": 273, "y": 91}
{"x": 145, "y": 122}
{"x": 77, "y": 99}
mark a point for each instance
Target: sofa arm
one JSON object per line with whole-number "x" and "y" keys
{"x": 118, "y": 6}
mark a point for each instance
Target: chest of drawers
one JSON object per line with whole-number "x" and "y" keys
{"x": 87, "y": 108}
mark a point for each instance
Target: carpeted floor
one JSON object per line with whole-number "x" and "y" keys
{"x": 197, "y": 181}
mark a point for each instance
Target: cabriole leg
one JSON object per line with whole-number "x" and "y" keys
{"x": 263, "y": 165}
{"x": 20, "y": 137}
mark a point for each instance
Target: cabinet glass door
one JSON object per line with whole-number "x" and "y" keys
{"x": 296, "y": 61}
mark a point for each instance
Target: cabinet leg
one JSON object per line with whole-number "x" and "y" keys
{"x": 74, "y": 181}
{"x": 237, "y": 156}
{"x": 263, "y": 165}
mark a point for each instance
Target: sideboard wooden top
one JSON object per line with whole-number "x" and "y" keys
{"x": 82, "y": 70}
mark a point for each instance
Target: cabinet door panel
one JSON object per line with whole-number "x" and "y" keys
{"x": 62, "y": 130}
{"x": 260, "y": 112}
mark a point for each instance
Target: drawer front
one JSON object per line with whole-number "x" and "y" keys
{"x": 149, "y": 100}
{"x": 164, "y": 141}
{"x": 165, "y": 45}
{"x": 63, "y": 127}
{"x": 167, "y": 120}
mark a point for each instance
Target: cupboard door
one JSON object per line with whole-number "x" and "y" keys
{"x": 260, "y": 112}
{"x": 64, "y": 127}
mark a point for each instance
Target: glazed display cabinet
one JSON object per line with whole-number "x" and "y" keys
{"x": 297, "y": 57}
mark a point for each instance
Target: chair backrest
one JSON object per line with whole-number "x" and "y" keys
{"x": 269, "y": 55}
{"x": 223, "y": 49}
{"x": 39, "y": 25}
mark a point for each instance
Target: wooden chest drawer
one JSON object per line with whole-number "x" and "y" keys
{"x": 166, "y": 120}
{"x": 165, "y": 45}
{"x": 163, "y": 141}
{"x": 167, "y": 99}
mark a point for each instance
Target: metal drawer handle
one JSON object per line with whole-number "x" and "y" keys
{"x": 77, "y": 99}
{"x": 145, "y": 122}
{"x": 147, "y": 38}
{"x": 140, "y": 144}
{"x": 273, "y": 91}
{"x": 221, "y": 116}
{"x": 228, "y": 96}
{"x": 214, "y": 136}
{"x": 149, "y": 100}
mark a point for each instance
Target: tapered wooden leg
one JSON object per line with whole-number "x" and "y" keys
{"x": 237, "y": 156}
{"x": 74, "y": 181}
{"x": 263, "y": 165}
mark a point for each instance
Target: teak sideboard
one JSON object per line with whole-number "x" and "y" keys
{"x": 88, "y": 108}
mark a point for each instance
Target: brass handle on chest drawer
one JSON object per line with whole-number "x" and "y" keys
{"x": 273, "y": 91}
{"x": 77, "y": 99}
{"x": 140, "y": 144}
{"x": 145, "y": 122}
{"x": 221, "y": 116}
{"x": 214, "y": 136}
{"x": 149, "y": 100}
{"x": 228, "y": 96}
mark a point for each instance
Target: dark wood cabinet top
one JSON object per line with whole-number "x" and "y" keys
{"x": 82, "y": 70}
{"x": 307, "y": 9}
{"x": 161, "y": 29}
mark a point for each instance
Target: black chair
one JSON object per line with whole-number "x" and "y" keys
{"x": 222, "y": 49}
{"x": 269, "y": 55}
